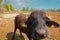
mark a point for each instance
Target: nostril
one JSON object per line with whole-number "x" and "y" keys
{"x": 42, "y": 36}
{"x": 45, "y": 36}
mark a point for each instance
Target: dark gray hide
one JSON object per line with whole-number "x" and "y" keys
{"x": 35, "y": 25}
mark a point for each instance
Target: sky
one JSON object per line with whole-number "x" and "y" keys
{"x": 39, "y": 4}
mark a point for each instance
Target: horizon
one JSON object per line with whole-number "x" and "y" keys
{"x": 38, "y": 4}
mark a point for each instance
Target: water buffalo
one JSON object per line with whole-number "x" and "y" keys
{"x": 35, "y": 25}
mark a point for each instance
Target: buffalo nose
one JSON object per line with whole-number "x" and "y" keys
{"x": 42, "y": 33}
{"x": 42, "y": 36}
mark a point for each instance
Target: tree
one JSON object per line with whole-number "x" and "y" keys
{"x": 25, "y": 9}
{"x": 6, "y": 1}
{"x": 31, "y": 9}
{"x": 0, "y": 4}
{"x": 12, "y": 8}
{"x": 6, "y": 4}
{"x": 9, "y": 7}
{"x": 43, "y": 9}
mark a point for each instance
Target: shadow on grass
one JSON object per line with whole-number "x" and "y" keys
{"x": 17, "y": 37}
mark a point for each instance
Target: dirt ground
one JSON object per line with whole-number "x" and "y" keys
{"x": 7, "y": 27}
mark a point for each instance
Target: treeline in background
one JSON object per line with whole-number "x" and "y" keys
{"x": 5, "y": 6}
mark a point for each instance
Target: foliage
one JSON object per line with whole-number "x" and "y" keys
{"x": 9, "y": 7}
{"x": 6, "y": 6}
{"x": 31, "y": 9}
{"x": 25, "y": 9}
{"x": 6, "y": 1}
{"x": 0, "y": 2}
{"x": 43, "y": 9}
{"x": 28, "y": 9}
{"x": 12, "y": 8}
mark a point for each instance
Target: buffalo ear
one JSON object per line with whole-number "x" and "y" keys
{"x": 50, "y": 23}
{"x": 47, "y": 19}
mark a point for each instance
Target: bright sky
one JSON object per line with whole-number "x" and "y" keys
{"x": 39, "y": 4}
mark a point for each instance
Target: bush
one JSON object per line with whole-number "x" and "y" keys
{"x": 9, "y": 7}
{"x": 12, "y": 8}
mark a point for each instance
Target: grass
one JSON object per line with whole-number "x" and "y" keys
{"x": 19, "y": 38}
{"x": 3, "y": 39}
{"x": 50, "y": 38}
{"x": 8, "y": 27}
{"x": 0, "y": 38}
